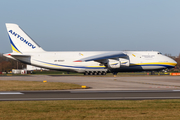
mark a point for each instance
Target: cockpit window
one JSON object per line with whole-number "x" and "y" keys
{"x": 159, "y": 53}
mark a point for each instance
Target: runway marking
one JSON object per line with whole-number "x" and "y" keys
{"x": 176, "y": 90}
{"x": 117, "y": 91}
{"x": 10, "y": 93}
{"x": 164, "y": 87}
{"x": 176, "y": 86}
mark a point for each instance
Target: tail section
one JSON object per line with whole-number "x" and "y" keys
{"x": 20, "y": 41}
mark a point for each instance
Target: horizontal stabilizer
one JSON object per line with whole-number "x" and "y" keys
{"x": 16, "y": 55}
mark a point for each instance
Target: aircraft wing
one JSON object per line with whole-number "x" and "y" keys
{"x": 103, "y": 56}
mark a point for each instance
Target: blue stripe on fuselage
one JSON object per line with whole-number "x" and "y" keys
{"x": 71, "y": 66}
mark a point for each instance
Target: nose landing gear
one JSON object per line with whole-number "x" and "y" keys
{"x": 115, "y": 74}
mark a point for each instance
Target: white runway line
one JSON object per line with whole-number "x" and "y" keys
{"x": 176, "y": 90}
{"x": 10, "y": 93}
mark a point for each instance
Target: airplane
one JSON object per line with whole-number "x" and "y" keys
{"x": 26, "y": 50}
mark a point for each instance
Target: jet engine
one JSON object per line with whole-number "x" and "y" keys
{"x": 124, "y": 62}
{"x": 112, "y": 64}
{"x": 117, "y": 63}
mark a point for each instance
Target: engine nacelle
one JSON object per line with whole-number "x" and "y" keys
{"x": 124, "y": 62}
{"x": 112, "y": 64}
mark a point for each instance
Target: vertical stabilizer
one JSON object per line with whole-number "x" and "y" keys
{"x": 20, "y": 41}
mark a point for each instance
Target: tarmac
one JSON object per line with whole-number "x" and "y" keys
{"x": 100, "y": 88}
{"x": 108, "y": 83}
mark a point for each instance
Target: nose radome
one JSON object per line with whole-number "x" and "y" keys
{"x": 173, "y": 62}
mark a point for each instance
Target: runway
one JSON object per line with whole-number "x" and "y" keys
{"x": 108, "y": 83}
{"x": 90, "y": 95}
{"x": 102, "y": 88}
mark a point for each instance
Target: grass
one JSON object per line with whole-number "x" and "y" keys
{"x": 64, "y": 73}
{"x": 91, "y": 109}
{"x": 11, "y": 85}
{"x": 82, "y": 109}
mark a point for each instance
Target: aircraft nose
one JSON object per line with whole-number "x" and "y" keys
{"x": 175, "y": 62}
{"x": 172, "y": 62}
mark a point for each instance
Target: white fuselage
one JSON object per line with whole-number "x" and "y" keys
{"x": 138, "y": 61}
{"x": 28, "y": 51}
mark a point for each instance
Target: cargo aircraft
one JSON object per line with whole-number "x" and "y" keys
{"x": 26, "y": 50}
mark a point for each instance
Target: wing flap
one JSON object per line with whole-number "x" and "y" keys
{"x": 103, "y": 56}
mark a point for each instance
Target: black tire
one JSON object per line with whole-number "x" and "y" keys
{"x": 103, "y": 73}
{"x": 86, "y": 73}
{"x": 99, "y": 73}
{"x": 95, "y": 73}
{"x": 90, "y": 73}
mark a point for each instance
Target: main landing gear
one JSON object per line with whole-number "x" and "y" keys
{"x": 95, "y": 73}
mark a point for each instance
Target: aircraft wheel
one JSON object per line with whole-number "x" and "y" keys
{"x": 95, "y": 73}
{"x": 86, "y": 73}
{"x": 99, "y": 73}
{"x": 103, "y": 73}
{"x": 90, "y": 73}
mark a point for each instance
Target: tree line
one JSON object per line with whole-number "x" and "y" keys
{"x": 7, "y": 64}
{"x": 177, "y": 59}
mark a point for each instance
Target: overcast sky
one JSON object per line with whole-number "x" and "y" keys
{"x": 95, "y": 25}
